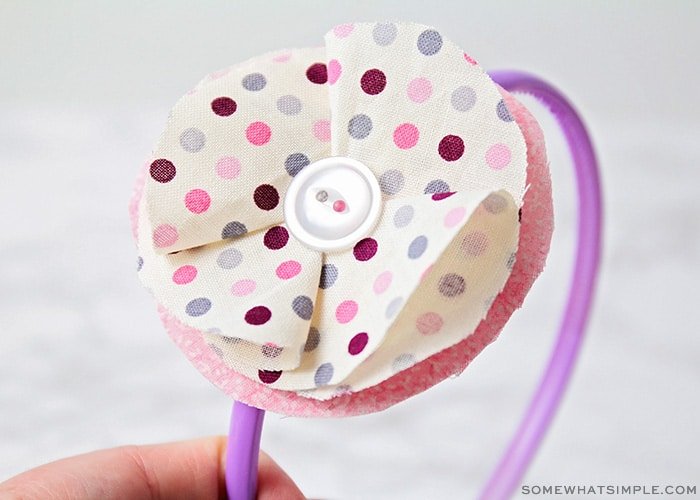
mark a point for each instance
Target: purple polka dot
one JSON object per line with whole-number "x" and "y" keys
{"x": 162, "y": 170}
{"x": 266, "y": 197}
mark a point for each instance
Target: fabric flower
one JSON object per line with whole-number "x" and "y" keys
{"x": 450, "y": 160}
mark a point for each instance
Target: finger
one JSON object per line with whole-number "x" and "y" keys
{"x": 187, "y": 470}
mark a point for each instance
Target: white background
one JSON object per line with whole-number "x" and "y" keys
{"x": 85, "y": 88}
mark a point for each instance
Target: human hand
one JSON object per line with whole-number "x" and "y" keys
{"x": 183, "y": 470}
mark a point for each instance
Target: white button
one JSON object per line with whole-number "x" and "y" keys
{"x": 332, "y": 203}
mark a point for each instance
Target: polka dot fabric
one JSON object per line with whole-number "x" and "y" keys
{"x": 451, "y": 164}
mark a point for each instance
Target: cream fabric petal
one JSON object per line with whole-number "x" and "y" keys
{"x": 420, "y": 115}
{"x": 468, "y": 237}
{"x": 231, "y": 147}
{"x": 252, "y": 297}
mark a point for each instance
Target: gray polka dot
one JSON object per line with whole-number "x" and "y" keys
{"x": 429, "y": 42}
{"x": 254, "y": 82}
{"x": 451, "y": 285}
{"x": 192, "y": 140}
{"x": 437, "y": 186}
{"x": 343, "y": 389}
{"x": 511, "y": 261}
{"x": 329, "y": 273}
{"x": 359, "y": 126}
{"x": 233, "y": 230}
{"x": 229, "y": 258}
{"x": 217, "y": 350}
{"x": 417, "y": 247}
{"x": 324, "y": 374}
{"x": 232, "y": 340}
{"x": 502, "y": 111}
{"x": 312, "y": 340}
{"x": 303, "y": 307}
{"x": 384, "y": 34}
{"x": 463, "y": 98}
{"x": 495, "y": 203}
{"x": 139, "y": 263}
{"x": 271, "y": 351}
{"x": 295, "y": 162}
{"x": 289, "y": 105}
{"x": 394, "y": 307}
{"x": 402, "y": 362}
{"x": 391, "y": 182}
{"x": 403, "y": 216}
{"x": 198, "y": 307}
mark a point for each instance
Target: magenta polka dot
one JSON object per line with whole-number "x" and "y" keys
{"x": 441, "y": 196}
{"x": 343, "y": 30}
{"x": 455, "y": 216}
{"x": 334, "y": 71}
{"x": 365, "y": 249}
{"x": 197, "y": 201}
{"x": 382, "y": 282}
{"x": 241, "y": 288}
{"x": 451, "y": 148}
{"x": 346, "y": 311}
{"x": 165, "y": 235}
{"x": 258, "y": 315}
{"x": 322, "y": 130}
{"x": 269, "y": 376}
{"x": 258, "y": 133}
{"x": 429, "y": 323}
{"x": 498, "y": 156}
{"x": 419, "y": 90}
{"x": 228, "y": 167}
{"x": 184, "y": 275}
{"x": 373, "y": 81}
{"x": 288, "y": 269}
{"x": 317, "y": 73}
{"x": 406, "y": 136}
{"x": 224, "y": 106}
{"x": 276, "y": 237}
{"x": 358, "y": 343}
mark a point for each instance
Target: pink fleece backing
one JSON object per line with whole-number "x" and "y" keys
{"x": 535, "y": 236}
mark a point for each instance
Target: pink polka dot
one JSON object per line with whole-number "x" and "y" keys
{"x": 426, "y": 272}
{"x": 343, "y": 30}
{"x": 469, "y": 59}
{"x": 419, "y": 89}
{"x": 228, "y": 167}
{"x": 334, "y": 71}
{"x": 498, "y": 156}
{"x": 455, "y": 216}
{"x": 346, "y": 311}
{"x": 429, "y": 323}
{"x": 322, "y": 130}
{"x": 382, "y": 282}
{"x": 165, "y": 235}
{"x": 215, "y": 75}
{"x": 406, "y": 135}
{"x": 289, "y": 269}
{"x": 282, "y": 58}
{"x": 243, "y": 287}
{"x": 197, "y": 201}
{"x": 258, "y": 133}
{"x": 475, "y": 243}
{"x": 184, "y": 275}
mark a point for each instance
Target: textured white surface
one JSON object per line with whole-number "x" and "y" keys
{"x": 84, "y": 362}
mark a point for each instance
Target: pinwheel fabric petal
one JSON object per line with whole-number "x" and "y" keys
{"x": 451, "y": 162}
